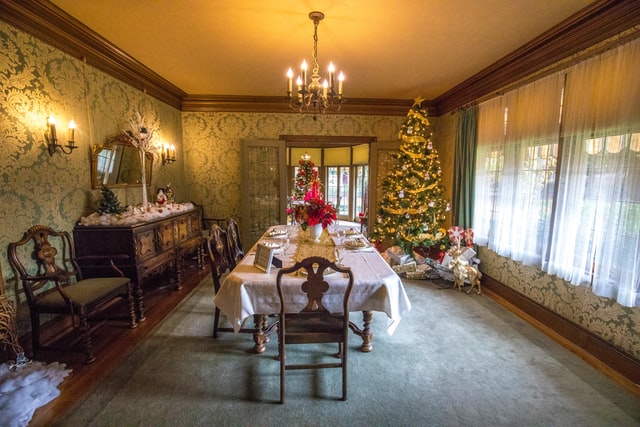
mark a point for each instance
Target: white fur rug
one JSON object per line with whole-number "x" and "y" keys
{"x": 26, "y": 388}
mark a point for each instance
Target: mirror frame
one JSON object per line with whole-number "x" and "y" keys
{"x": 121, "y": 140}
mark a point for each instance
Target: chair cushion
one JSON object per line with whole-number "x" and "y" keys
{"x": 85, "y": 293}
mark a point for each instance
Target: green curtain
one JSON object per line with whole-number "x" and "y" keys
{"x": 464, "y": 167}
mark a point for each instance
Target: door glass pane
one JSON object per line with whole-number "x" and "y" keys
{"x": 262, "y": 190}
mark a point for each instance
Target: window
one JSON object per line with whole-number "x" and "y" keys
{"x": 344, "y": 173}
{"x": 558, "y": 174}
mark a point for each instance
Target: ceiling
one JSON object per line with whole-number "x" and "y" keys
{"x": 397, "y": 49}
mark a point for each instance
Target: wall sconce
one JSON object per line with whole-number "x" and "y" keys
{"x": 168, "y": 153}
{"x": 52, "y": 137}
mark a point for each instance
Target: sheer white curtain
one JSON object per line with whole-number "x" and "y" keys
{"x": 596, "y": 238}
{"x": 517, "y": 157}
{"x": 584, "y": 224}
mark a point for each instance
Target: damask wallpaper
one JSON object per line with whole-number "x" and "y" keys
{"x": 37, "y": 80}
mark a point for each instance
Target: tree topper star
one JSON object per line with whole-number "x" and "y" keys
{"x": 417, "y": 101}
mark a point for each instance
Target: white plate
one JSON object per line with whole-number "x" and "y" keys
{"x": 271, "y": 245}
{"x": 278, "y": 232}
{"x": 352, "y": 245}
{"x": 352, "y": 232}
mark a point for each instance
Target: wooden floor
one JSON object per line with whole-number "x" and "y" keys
{"x": 113, "y": 342}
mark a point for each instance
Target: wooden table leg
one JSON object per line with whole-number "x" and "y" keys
{"x": 364, "y": 333}
{"x": 259, "y": 337}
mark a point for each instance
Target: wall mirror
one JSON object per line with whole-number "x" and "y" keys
{"x": 117, "y": 164}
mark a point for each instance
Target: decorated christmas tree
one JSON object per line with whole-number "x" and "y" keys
{"x": 412, "y": 209}
{"x": 306, "y": 177}
{"x": 109, "y": 203}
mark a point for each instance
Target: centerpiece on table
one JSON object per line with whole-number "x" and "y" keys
{"x": 314, "y": 213}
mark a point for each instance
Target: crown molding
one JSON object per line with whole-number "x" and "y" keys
{"x": 593, "y": 24}
{"x": 45, "y": 21}
{"x": 597, "y": 22}
{"x": 276, "y": 104}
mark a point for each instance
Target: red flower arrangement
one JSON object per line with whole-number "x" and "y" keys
{"x": 314, "y": 211}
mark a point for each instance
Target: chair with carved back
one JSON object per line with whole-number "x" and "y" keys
{"x": 315, "y": 323}
{"x": 233, "y": 238}
{"x": 220, "y": 262}
{"x": 53, "y": 284}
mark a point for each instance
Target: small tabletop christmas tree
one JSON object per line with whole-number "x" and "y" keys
{"x": 109, "y": 203}
{"x": 306, "y": 176}
{"x": 412, "y": 209}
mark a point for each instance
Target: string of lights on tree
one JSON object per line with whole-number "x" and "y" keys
{"x": 412, "y": 209}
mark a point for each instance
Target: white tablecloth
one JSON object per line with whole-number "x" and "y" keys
{"x": 247, "y": 290}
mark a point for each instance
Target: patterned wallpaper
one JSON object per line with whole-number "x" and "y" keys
{"x": 37, "y": 80}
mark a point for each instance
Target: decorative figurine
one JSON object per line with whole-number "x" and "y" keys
{"x": 161, "y": 198}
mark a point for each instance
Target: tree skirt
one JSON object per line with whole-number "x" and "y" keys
{"x": 25, "y": 388}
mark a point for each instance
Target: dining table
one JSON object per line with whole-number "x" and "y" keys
{"x": 249, "y": 291}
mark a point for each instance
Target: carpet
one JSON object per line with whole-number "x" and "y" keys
{"x": 455, "y": 360}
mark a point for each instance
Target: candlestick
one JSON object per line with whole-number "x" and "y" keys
{"x": 304, "y": 72}
{"x": 72, "y": 131}
{"x": 52, "y": 128}
{"x": 340, "y": 80}
{"x": 289, "y": 80}
{"x": 332, "y": 71}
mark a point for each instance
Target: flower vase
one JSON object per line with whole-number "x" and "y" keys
{"x": 315, "y": 231}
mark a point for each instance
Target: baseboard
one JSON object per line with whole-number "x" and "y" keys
{"x": 610, "y": 360}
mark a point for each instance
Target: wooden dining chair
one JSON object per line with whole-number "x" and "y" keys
{"x": 220, "y": 262}
{"x": 233, "y": 238}
{"x": 315, "y": 323}
{"x": 53, "y": 284}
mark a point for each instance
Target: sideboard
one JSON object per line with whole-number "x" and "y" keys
{"x": 141, "y": 250}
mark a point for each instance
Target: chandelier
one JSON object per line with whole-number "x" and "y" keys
{"x": 314, "y": 95}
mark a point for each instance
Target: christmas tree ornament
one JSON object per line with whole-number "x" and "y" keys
{"x": 401, "y": 194}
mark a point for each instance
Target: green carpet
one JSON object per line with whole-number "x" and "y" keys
{"x": 455, "y": 360}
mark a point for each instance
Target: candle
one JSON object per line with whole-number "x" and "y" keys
{"x": 173, "y": 152}
{"x": 325, "y": 88}
{"x": 299, "y": 84}
{"x": 332, "y": 71}
{"x": 72, "y": 131}
{"x": 52, "y": 128}
{"x": 340, "y": 80}
{"x": 289, "y": 80}
{"x": 304, "y": 72}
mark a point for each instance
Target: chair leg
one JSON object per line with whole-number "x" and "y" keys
{"x": 85, "y": 337}
{"x": 132, "y": 307}
{"x": 343, "y": 351}
{"x": 283, "y": 361}
{"x": 35, "y": 334}
{"x": 216, "y": 320}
